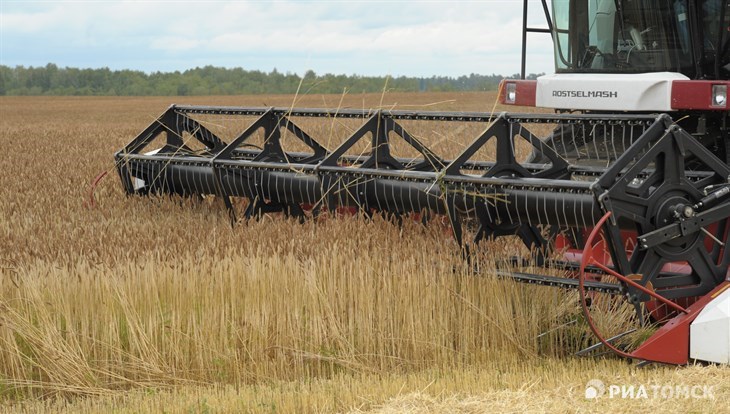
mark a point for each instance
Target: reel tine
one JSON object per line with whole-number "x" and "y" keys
{"x": 588, "y": 350}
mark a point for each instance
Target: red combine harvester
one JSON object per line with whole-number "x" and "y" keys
{"x": 627, "y": 199}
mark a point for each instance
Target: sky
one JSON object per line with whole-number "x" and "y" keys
{"x": 374, "y": 38}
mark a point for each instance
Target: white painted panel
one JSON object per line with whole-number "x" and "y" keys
{"x": 607, "y": 92}
{"x": 709, "y": 333}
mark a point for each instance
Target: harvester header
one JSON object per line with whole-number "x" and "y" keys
{"x": 622, "y": 194}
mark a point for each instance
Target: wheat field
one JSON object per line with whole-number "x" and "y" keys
{"x": 144, "y": 304}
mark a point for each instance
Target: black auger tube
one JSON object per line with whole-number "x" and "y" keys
{"x": 532, "y": 206}
{"x": 282, "y": 186}
{"x": 550, "y": 202}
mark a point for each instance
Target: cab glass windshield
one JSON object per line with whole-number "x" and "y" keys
{"x": 622, "y": 36}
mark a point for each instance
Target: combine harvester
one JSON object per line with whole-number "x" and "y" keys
{"x": 628, "y": 196}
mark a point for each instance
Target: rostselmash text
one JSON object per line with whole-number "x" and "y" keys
{"x": 585, "y": 94}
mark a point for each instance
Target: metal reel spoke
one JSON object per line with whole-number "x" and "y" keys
{"x": 594, "y": 308}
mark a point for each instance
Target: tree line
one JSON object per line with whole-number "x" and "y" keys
{"x": 211, "y": 80}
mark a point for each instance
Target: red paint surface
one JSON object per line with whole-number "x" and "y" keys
{"x": 526, "y": 91}
{"x": 696, "y": 95}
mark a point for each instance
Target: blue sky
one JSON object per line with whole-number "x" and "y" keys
{"x": 413, "y": 38}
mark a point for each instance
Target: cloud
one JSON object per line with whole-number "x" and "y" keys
{"x": 175, "y": 43}
{"x": 406, "y": 37}
{"x": 26, "y": 22}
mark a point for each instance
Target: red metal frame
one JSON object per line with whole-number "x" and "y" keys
{"x": 670, "y": 343}
{"x": 696, "y": 95}
{"x": 526, "y": 92}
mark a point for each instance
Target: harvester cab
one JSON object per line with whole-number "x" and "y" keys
{"x": 640, "y": 36}
{"x": 640, "y": 56}
{"x": 627, "y": 200}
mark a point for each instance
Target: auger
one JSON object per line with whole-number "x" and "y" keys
{"x": 627, "y": 195}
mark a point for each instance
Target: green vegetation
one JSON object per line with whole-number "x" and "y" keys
{"x": 210, "y": 80}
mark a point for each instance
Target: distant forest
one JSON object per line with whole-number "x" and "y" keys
{"x": 210, "y": 80}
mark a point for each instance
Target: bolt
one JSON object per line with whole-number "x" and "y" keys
{"x": 688, "y": 211}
